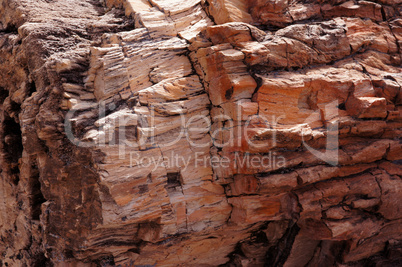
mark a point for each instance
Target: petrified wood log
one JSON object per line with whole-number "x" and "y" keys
{"x": 200, "y": 133}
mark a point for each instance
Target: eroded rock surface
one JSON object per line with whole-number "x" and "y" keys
{"x": 200, "y": 133}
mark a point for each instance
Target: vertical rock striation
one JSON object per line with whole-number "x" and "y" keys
{"x": 200, "y": 133}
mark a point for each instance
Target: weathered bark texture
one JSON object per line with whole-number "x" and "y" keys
{"x": 93, "y": 94}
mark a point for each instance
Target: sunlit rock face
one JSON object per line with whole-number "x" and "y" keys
{"x": 200, "y": 133}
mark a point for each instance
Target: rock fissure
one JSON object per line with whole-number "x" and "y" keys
{"x": 210, "y": 147}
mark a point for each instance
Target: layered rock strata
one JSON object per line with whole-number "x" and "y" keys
{"x": 200, "y": 133}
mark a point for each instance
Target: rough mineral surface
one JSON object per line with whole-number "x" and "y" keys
{"x": 200, "y": 133}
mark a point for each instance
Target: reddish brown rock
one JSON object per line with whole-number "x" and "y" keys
{"x": 363, "y": 9}
{"x": 200, "y": 133}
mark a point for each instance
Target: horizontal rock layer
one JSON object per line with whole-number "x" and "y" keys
{"x": 200, "y": 133}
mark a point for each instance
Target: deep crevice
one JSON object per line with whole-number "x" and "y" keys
{"x": 12, "y": 146}
{"x": 11, "y": 28}
{"x": 41, "y": 261}
{"x": 277, "y": 255}
{"x": 3, "y": 95}
{"x": 32, "y": 88}
{"x": 174, "y": 181}
{"x": 37, "y": 197}
{"x": 12, "y": 140}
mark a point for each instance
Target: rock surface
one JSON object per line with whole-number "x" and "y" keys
{"x": 200, "y": 133}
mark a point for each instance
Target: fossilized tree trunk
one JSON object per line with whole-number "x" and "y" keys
{"x": 200, "y": 133}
